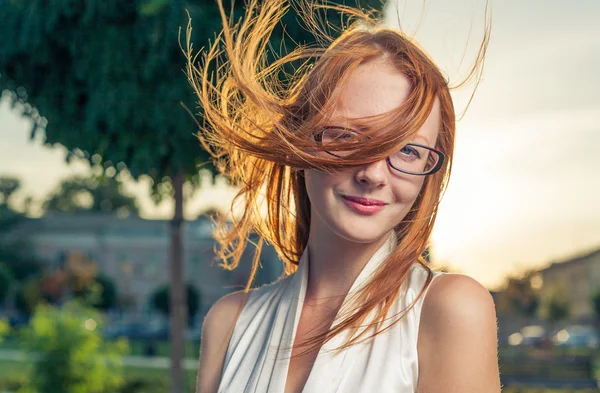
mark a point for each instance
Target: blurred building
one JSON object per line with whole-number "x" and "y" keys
{"x": 134, "y": 252}
{"x": 578, "y": 279}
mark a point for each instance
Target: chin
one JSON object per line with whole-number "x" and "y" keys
{"x": 360, "y": 230}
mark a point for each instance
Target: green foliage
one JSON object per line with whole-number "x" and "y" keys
{"x": 596, "y": 303}
{"x": 4, "y": 329}
{"x": 145, "y": 386}
{"x": 95, "y": 193}
{"x": 520, "y": 297}
{"x": 558, "y": 308}
{"x": 22, "y": 264}
{"x": 104, "y": 78}
{"x": 6, "y": 281}
{"x": 19, "y": 266}
{"x": 100, "y": 294}
{"x": 14, "y": 376}
{"x": 160, "y": 300}
{"x": 555, "y": 303}
{"x": 72, "y": 355}
{"x": 8, "y": 186}
{"x": 16, "y": 253}
{"x": 28, "y": 296}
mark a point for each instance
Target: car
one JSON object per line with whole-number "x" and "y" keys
{"x": 531, "y": 335}
{"x": 129, "y": 330}
{"x": 156, "y": 329}
{"x": 577, "y": 336}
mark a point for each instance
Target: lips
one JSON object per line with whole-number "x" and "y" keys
{"x": 363, "y": 206}
{"x": 365, "y": 201}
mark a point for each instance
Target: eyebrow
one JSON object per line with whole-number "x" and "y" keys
{"x": 363, "y": 129}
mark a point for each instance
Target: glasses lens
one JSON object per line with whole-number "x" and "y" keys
{"x": 415, "y": 159}
{"x": 412, "y": 158}
{"x": 339, "y": 137}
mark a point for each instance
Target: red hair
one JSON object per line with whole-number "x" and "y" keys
{"x": 258, "y": 129}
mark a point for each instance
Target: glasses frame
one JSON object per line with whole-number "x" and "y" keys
{"x": 319, "y": 138}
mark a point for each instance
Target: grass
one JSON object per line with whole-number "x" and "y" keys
{"x": 11, "y": 369}
{"x": 159, "y": 377}
{"x": 12, "y": 373}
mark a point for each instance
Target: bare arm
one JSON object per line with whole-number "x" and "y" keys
{"x": 216, "y": 332}
{"x": 458, "y": 342}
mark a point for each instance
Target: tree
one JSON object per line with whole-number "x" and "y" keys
{"x": 8, "y": 186}
{"x": 6, "y": 282}
{"x": 161, "y": 302}
{"x": 559, "y": 308}
{"x": 15, "y": 253}
{"x": 104, "y": 79}
{"x": 4, "y": 329}
{"x": 19, "y": 266}
{"x": 101, "y": 293}
{"x": 555, "y": 303}
{"x": 595, "y": 300}
{"x": 91, "y": 193}
{"x": 520, "y": 297}
{"x": 28, "y": 296}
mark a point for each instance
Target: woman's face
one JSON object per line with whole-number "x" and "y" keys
{"x": 374, "y": 87}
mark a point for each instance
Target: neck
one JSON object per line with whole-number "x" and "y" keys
{"x": 334, "y": 264}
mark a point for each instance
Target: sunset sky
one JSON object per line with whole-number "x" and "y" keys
{"x": 525, "y": 185}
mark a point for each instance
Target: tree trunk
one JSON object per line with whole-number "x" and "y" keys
{"x": 178, "y": 315}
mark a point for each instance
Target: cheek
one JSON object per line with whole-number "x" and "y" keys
{"x": 407, "y": 190}
{"x": 316, "y": 183}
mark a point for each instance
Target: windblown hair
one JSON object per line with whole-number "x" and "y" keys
{"x": 258, "y": 129}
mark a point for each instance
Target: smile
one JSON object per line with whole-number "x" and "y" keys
{"x": 363, "y": 205}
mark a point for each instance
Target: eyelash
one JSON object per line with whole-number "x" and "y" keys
{"x": 412, "y": 151}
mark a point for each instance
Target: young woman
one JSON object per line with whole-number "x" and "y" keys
{"x": 341, "y": 168}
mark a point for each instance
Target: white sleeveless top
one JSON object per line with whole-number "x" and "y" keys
{"x": 254, "y": 362}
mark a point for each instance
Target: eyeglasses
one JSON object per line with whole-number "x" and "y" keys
{"x": 413, "y": 158}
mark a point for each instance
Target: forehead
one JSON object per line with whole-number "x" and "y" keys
{"x": 376, "y": 87}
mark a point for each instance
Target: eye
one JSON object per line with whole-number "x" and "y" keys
{"x": 337, "y": 135}
{"x": 410, "y": 151}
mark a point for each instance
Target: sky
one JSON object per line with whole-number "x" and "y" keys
{"x": 525, "y": 183}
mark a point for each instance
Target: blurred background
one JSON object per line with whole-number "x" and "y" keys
{"x": 106, "y": 196}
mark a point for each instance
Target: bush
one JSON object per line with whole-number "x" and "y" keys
{"x": 71, "y": 354}
{"x": 4, "y": 329}
{"x": 13, "y": 384}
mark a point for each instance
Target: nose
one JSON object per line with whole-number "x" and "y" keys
{"x": 373, "y": 174}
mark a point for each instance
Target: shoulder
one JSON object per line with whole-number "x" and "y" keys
{"x": 217, "y": 329}
{"x": 452, "y": 295}
{"x": 222, "y": 314}
{"x": 458, "y": 337}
